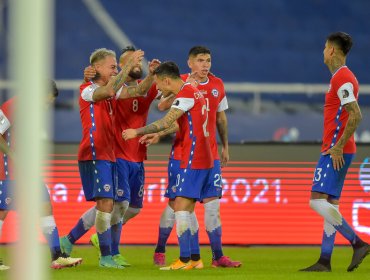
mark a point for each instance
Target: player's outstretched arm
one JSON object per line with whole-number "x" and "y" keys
{"x": 142, "y": 88}
{"x": 221, "y": 122}
{"x": 154, "y": 127}
{"x": 153, "y": 138}
{"x": 354, "y": 120}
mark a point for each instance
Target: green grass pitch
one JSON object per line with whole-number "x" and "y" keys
{"x": 270, "y": 262}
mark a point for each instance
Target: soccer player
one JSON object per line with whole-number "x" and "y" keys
{"x": 212, "y": 88}
{"x": 190, "y": 111}
{"x": 96, "y": 157}
{"x": 132, "y": 108}
{"x": 341, "y": 118}
{"x": 48, "y": 226}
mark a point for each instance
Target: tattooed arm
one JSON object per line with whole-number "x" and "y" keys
{"x": 117, "y": 82}
{"x": 221, "y": 122}
{"x": 156, "y": 126}
{"x": 144, "y": 86}
{"x": 354, "y": 120}
{"x": 154, "y": 138}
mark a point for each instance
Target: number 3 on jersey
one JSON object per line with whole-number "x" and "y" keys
{"x": 318, "y": 174}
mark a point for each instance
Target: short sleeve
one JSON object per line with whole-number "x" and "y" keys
{"x": 184, "y": 104}
{"x": 345, "y": 93}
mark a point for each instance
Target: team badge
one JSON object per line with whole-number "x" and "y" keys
{"x": 345, "y": 93}
{"x": 214, "y": 92}
{"x": 106, "y": 187}
{"x": 120, "y": 192}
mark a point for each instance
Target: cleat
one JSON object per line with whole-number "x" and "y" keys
{"x": 63, "y": 262}
{"x": 94, "y": 240}
{"x": 2, "y": 266}
{"x": 358, "y": 256}
{"x": 178, "y": 265}
{"x": 197, "y": 264}
{"x": 225, "y": 262}
{"x": 317, "y": 267}
{"x": 159, "y": 259}
{"x": 108, "y": 262}
{"x": 65, "y": 245}
{"x": 119, "y": 259}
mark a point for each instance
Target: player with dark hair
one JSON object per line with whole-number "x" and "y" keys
{"x": 342, "y": 115}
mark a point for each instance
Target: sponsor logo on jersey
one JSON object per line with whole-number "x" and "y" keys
{"x": 120, "y": 192}
{"x": 106, "y": 187}
{"x": 204, "y": 92}
{"x": 176, "y": 103}
{"x": 214, "y": 92}
{"x": 345, "y": 93}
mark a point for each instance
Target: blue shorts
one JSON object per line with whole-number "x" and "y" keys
{"x": 131, "y": 176}
{"x": 174, "y": 171}
{"x": 7, "y": 195}
{"x": 214, "y": 185}
{"x": 191, "y": 183}
{"x": 99, "y": 179}
{"x": 326, "y": 179}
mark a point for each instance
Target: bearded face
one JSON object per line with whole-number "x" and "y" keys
{"x": 136, "y": 73}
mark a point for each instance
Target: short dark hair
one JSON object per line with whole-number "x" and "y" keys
{"x": 128, "y": 49}
{"x": 194, "y": 51}
{"x": 169, "y": 69}
{"x": 342, "y": 40}
{"x": 53, "y": 88}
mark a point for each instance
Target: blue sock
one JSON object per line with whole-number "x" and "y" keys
{"x": 164, "y": 234}
{"x": 77, "y": 232}
{"x": 347, "y": 232}
{"x": 51, "y": 235}
{"x": 116, "y": 237}
{"x": 183, "y": 233}
{"x": 327, "y": 247}
{"x": 105, "y": 242}
{"x": 215, "y": 240}
{"x": 194, "y": 235}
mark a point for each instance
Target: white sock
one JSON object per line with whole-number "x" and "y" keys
{"x": 328, "y": 228}
{"x": 48, "y": 224}
{"x": 102, "y": 221}
{"x": 88, "y": 218}
{"x": 212, "y": 215}
{"x": 130, "y": 213}
{"x": 182, "y": 222}
{"x": 194, "y": 225}
{"x": 167, "y": 218}
{"x": 119, "y": 210}
{"x": 327, "y": 211}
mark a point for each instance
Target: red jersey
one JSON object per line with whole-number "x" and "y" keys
{"x": 343, "y": 89}
{"x": 214, "y": 93}
{"x": 195, "y": 147}
{"x": 97, "y": 119}
{"x": 132, "y": 113}
{"x": 5, "y": 166}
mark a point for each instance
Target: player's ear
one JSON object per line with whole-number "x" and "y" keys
{"x": 189, "y": 63}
